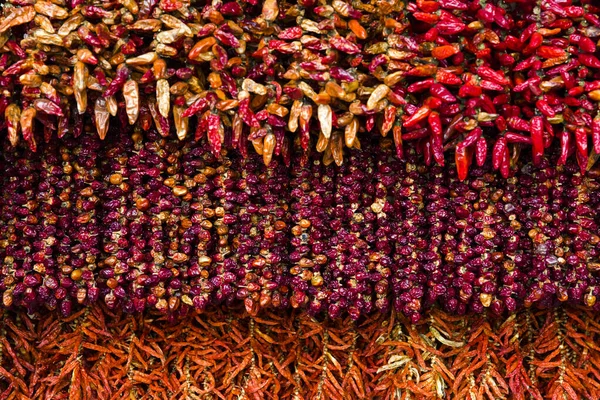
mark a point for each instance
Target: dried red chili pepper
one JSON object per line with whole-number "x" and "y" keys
{"x": 596, "y": 133}
{"x": 581, "y": 141}
{"x": 437, "y": 145}
{"x": 505, "y": 164}
{"x": 512, "y": 137}
{"x": 417, "y": 117}
{"x": 440, "y": 91}
{"x": 462, "y": 157}
{"x": 537, "y": 139}
{"x": 481, "y": 151}
{"x": 498, "y": 152}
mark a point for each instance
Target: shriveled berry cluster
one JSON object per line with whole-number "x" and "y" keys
{"x": 141, "y": 223}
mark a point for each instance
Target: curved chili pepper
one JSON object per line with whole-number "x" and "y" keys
{"x": 417, "y": 117}
{"x": 462, "y": 157}
{"x": 498, "y": 152}
{"x": 581, "y": 141}
{"x": 537, "y": 139}
{"x": 596, "y": 133}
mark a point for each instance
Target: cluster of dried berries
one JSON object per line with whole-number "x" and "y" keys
{"x": 481, "y": 78}
{"x": 153, "y": 223}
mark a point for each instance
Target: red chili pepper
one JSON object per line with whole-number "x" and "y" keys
{"x": 420, "y": 86}
{"x": 550, "y": 5}
{"x": 489, "y": 85}
{"x": 565, "y": 147}
{"x": 471, "y": 138}
{"x": 341, "y": 75}
{"x": 480, "y": 151}
{"x": 370, "y": 122}
{"x": 452, "y": 5}
{"x": 581, "y": 141}
{"x": 470, "y": 90}
{"x": 437, "y": 147}
{"x": 425, "y": 146}
{"x": 344, "y": 45}
{"x": 589, "y": 60}
{"x": 527, "y": 32}
{"x": 397, "y": 133}
{"x": 416, "y": 134}
{"x": 417, "y": 117}
{"x": 463, "y": 156}
{"x": 518, "y": 124}
{"x": 428, "y": 18}
{"x": 512, "y": 137}
{"x": 213, "y": 133}
{"x": 582, "y": 160}
{"x": 535, "y": 41}
{"x": 488, "y": 73}
{"x": 247, "y": 114}
{"x": 196, "y": 107}
{"x": 505, "y": 165}
{"x": 498, "y": 152}
{"x": 587, "y": 45}
{"x": 117, "y": 83}
{"x": 389, "y": 117}
{"x": 550, "y": 52}
{"x": 440, "y": 91}
{"x": 537, "y": 139}
{"x": 545, "y": 108}
{"x": 432, "y": 102}
{"x": 592, "y": 19}
{"x": 447, "y": 78}
{"x": 525, "y": 64}
{"x": 596, "y": 133}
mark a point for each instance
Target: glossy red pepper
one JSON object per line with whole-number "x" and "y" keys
{"x": 389, "y": 117}
{"x": 437, "y": 146}
{"x": 397, "y": 133}
{"x": 589, "y": 60}
{"x": 480, "y": 151}
{"x": 596, "y": 133}
{"x": 471, "y": 138}
{"x": 417, "y": 117}
{"x": 498, "y": 152}
{"x": 420, "y": 86}
{"x": 447, "y": 78}
{"x": 518, "y": 123}
{"x": 416, "y": 134}
{"x": 565, "y": 147}
{"x": 488, "y": 73}
{"x": 505, "y": 164}
{"x": 581, "y": 141}
{"x": 537, "y": 139}
{"x": 512, "y": 137}
{"x": 462, "y": 161}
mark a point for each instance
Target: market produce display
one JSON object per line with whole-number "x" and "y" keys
{"x": 415, "y": 181}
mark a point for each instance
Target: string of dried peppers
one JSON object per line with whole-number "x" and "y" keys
{"x": 513, "y": 73}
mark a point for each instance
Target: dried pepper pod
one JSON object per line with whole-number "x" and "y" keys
{"x": 131, "y": 95}
{"x": 101, "y": 117}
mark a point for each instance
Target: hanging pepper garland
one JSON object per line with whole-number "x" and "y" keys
{"x": 474, "y": 78}
{"x": 226, "y": 353}
{"x": 416, "y": 218}
{"x": 153, "y": 224}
